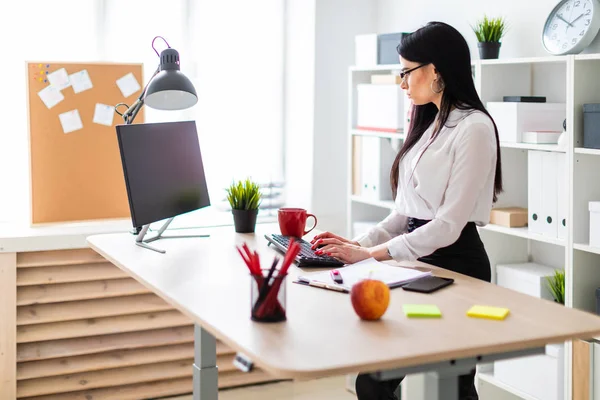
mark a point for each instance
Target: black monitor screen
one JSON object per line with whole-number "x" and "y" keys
{"x": 163, "y": 170}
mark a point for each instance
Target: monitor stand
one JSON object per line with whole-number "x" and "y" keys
{"x": 139, "y": 240}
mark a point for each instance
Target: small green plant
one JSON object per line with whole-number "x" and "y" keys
{"x": 244, "y": 195}
{"x": 490, "y": 29}
{"x": 556, "y": 285}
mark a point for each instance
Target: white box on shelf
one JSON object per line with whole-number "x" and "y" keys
{"x": 377, "y": 157}
{"x": 527, "y": 278}
{"x": 365, "y": 50}
{"x": 512, "y": 118}
{"x": 539, "y": 376}
{"x": 541, "y": 137}
{"x": 380, "y": 107}
{"x": 594, "y": 207}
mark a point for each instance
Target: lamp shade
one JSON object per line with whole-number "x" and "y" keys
{"x": 170, "y": 89}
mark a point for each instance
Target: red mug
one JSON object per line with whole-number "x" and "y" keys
{"x": 292, "y": 221}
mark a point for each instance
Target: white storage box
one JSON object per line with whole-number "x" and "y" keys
{"x": 542, "y": 376}
{"x": 528, "y": 278}
{"x": 365, "y": 50}
{"x": 594, "y": 207}
{"x": 380, "y": 107}
{"x": 512, "y": 119}
{"x": 541, "y": 137}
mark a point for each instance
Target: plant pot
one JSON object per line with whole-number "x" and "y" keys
{"x": 244, "y": 220}
{"x": 488, "y": 50}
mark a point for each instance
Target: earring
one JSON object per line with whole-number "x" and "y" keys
{"x": 440, "y": 86}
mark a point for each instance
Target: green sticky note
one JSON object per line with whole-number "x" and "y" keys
{"x": 422, "y": 310}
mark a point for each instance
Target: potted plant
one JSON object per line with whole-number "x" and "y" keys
{"x": 244, "y": 198}
{"x": 489, "y": 31}
{"x": 556, "y": 285}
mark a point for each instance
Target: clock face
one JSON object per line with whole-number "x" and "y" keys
{"x": 571, "y": 26}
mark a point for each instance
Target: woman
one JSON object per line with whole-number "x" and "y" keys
{"x": 445, "y": 177}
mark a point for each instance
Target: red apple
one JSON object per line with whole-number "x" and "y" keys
{"x": 370, "y": 299}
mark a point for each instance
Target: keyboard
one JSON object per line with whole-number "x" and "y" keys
{"x": 306, "y": 257}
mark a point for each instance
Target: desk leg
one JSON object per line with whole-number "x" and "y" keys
{"x": 206, "y": 380}
{"x": 448, "y": 372}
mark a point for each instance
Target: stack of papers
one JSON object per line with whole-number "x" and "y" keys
{"x": 366, "y": 269}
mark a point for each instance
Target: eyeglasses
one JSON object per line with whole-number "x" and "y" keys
{"x": 404, "y": 74}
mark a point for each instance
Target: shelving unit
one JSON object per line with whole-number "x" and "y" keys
{"x": 565, "y": 79}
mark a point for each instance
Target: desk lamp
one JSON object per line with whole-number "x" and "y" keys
{"x": 168, "y": 88}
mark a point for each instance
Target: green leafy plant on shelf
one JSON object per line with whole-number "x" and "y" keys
{"x": 556, "y": 285}
{"x": 490, "y": 29}
{"x": 244, "y": 195}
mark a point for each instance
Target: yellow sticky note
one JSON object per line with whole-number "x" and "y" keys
{"x": 488, "y": 312}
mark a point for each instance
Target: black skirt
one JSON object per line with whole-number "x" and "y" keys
{"x": 466, "y": 256}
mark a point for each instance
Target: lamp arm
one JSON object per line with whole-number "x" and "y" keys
{"x": 131, "y": 113}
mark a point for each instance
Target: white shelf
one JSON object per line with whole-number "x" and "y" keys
{"x": 584, "y": 57}
{"x": 522, "y": 232}
{"x": 531, "y": 146}
{"x": 581, "y": 150}
{"x": 383, "y": 67}
{"x": 489, "y": 378}
{"x": 586, "y": 247}
{"x": 524, "y": 60}
{"x": 389, "y": 204}
{"x": 388, "y": 135}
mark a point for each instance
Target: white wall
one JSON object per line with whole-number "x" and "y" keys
{"x": 337, "y": 22}
{"x": 319, "y": 49}
{"x": 525, "y": 18}
{"x": 299, "y": 89}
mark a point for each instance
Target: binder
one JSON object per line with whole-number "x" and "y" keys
{"x": 534, "y": 191}
{"x": 377, "y": 157}
{"x": 550, "y": 194}
{"x": 563, "y": 195}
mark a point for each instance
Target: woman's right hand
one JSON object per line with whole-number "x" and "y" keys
{"x": 317, "y": 240}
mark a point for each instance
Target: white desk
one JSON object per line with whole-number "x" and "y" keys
{"x": 206, "y": 279}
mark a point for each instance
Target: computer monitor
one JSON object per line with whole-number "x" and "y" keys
{"x": 163, "y": 171}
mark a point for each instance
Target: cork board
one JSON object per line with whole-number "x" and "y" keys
{"x": 75, "y": 166}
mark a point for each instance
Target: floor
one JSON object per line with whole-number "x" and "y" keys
{"x": 326, "y": 388}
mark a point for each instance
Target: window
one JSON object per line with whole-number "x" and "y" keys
{"x": 234, "y": 58}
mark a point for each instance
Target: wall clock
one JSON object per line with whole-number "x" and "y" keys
{"x": 571, "y": 26}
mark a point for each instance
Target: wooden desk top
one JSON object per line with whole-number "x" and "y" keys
{"x": 206, "y": 279}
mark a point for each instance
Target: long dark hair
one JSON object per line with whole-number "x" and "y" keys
{"x": 443, "y": 46}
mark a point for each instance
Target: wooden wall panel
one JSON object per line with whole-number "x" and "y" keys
{"x": 74, "y": 310}
{"x": 58, "y": 257}
{"x": 85, "y": 330}
{"x": 8, "y": 330}
{"x": 581, "y": 370}
{"x": 45, "y": 294}
{"x": 67, "y": 273}
{"x": 97, "y": 344}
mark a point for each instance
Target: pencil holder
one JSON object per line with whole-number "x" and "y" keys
{"x": 268, "y": 296}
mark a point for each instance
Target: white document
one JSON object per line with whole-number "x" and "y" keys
{"x": 563, "y": 195}
{"x": 51, "y": 96}
{"x": 550, "y": 194}
{"x": 535, "y": 192}
{"x": 368, "y": 269}
{"x": 80, "y": 81}
{"x": 128, "y": 84}
{"x": 103, "y": 114}
{"x": 70, "y": 121}
{"x": 59, "y": 79}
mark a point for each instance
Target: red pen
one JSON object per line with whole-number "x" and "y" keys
{"x": 336, "y": 276}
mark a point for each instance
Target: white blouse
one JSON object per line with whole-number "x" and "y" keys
{"x": 452, "y": 183}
